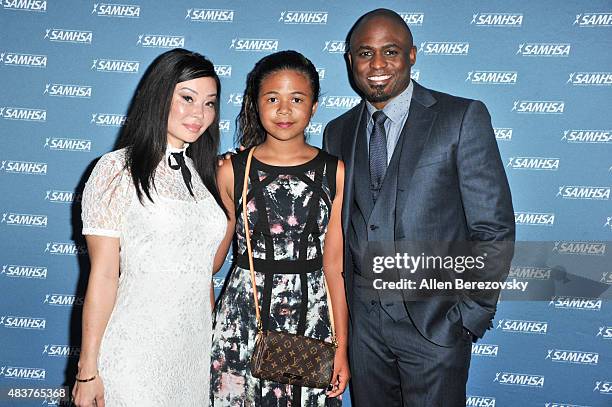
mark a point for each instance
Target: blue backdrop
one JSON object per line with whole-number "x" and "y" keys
{"x": 68, "y": 70}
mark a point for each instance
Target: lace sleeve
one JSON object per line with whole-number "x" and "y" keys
{"x": 106, "y": 196}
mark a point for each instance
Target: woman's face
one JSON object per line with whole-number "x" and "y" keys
{"x": 192, "y": 110}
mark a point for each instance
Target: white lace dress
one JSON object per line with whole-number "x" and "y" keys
{"x": 156, "y": 347}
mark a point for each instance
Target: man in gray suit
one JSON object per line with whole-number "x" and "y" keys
{"x": 420, "y": 166}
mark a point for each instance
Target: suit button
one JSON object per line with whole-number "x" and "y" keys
{"x": 373, "y": 227}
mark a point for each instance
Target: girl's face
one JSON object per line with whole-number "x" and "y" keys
{"x": 192, "y": 110}
{"x": 285, "y": 104}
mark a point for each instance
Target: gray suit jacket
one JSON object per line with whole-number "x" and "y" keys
{"x": 451, "y": 186}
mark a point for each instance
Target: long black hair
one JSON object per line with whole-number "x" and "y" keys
{"x": 250, "y": 130}
{"x": 145, "y": 133}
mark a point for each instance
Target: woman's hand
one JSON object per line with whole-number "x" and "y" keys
{"x": 89, "y": 394}
{"x": 341, "y": 375}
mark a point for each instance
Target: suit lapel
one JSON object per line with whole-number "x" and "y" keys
{"x": 349, "y": 142}
{"x": 415, "y": 134}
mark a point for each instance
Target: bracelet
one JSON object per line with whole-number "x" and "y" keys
{"x": 86, "y": 380}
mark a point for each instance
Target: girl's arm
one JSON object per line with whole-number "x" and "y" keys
{"x": 99, "y": 302}
{"x": 225, "y": 183}
{"x": 333, "y": 260}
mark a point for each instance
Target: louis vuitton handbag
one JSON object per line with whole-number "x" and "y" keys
{"x": 284, "y": 357}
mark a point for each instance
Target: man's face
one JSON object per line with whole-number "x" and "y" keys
{"x": 381, "y": 54}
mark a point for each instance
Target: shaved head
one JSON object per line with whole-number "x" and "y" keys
{"x": 380, "y": 14}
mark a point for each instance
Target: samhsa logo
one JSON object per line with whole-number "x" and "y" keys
{"x": 314, "y": 129}
{"x": 335, "y": 47}
{"x": 24, "y": 373}
{"x": 15, "y": 322}
{"x": 68, "y": 144}
{"x": 17, "y": 271}
{"x": 73, "y": 36}
{"x": 483, "y": 349}
{"x": 530, "y": 273}
{"x": 479, "y": 401}
{"x": 603, "y": 387}
{"x": 503, "y": 133}
{"x": 235, "y": 99}
{"x": 23, "y": 60}
{"x": 62, "y": 351}
{"x": 581, "y": 248}
{"x": 573, "y": 356}
{"x": 108, "y": 119}
{"x": 492, "y": 77}
{"x": 412, "y": 19}
{"x": 587, "y": 136}
{"x": 224, "y": 126}
{"x": 605, "y": 332}
{"x": 584, "y": 192}
{"x": 340, "y": 102}
{"x": 415, "y": 74}
{"x": 23, "y": 113}
{"x": 254, "y": 44}
{"x": 590, "y": 78}
{"x": 116, "y": 10}
{"x": 534, "y": 163}
{"x": 303, "y": 17}
{"x": 66, "y": 197}
{"x": 534, "y": 219}
{"x": 65, "y": 249}
{"x": 497, "y": 19}
{"x": 523, "y": 327}
{"x": 593, "y": 20}
{"x": 160, "y": 41}
{"x": 576, "y": 303}
{"x": 210, "y": 15}
{"x": 24, "y": 219}
{"x": 321, "y": 73}
{"x": 519, "y": 379}
{"x": 23, "y": 167}
{"x": 539, "y": 106}
{"x": 25, "y": 5}
{"x": 68, "y": 91}
{"x": 115, "y": 65}
{"x": 223, "y": 71}
{"x": 544, "y": 49}
{"x": 63, "y": 300}
{"x": 444, "y": 48}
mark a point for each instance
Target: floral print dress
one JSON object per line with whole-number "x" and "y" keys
{"x": 288, "y": 211}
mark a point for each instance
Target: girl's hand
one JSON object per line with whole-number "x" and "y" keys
{"x": 341, "y": 375}
{"x": 89, "y": 394}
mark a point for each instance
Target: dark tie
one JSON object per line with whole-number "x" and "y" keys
{"x": 378, "y": 153}
{"x": 179, "y": 159}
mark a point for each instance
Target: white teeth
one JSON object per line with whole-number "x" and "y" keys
{"x": 379, "y": 78}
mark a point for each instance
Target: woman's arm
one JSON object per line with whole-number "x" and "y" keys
{"x": 225, "y": 183}
{"x": 99, "y": 302}
{"x": 333, "y": 255}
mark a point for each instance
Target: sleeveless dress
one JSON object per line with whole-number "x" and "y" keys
{"x": 155, "y": 350}
{"x": 288, "y": 210}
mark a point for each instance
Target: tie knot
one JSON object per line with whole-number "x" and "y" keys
{"x": 379, "y": 117}
{"x": 179, "y": 160}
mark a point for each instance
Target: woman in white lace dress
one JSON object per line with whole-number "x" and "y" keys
{"x": 153, "y": 221}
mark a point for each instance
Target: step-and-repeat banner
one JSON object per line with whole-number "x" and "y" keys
{"x": 68, "y": 69}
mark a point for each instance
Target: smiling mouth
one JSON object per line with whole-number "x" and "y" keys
{"x": 194, "y": 128}
{"x": 379, "y": 78}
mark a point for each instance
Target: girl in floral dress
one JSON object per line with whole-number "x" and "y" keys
{"x": 294, "y": 203}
